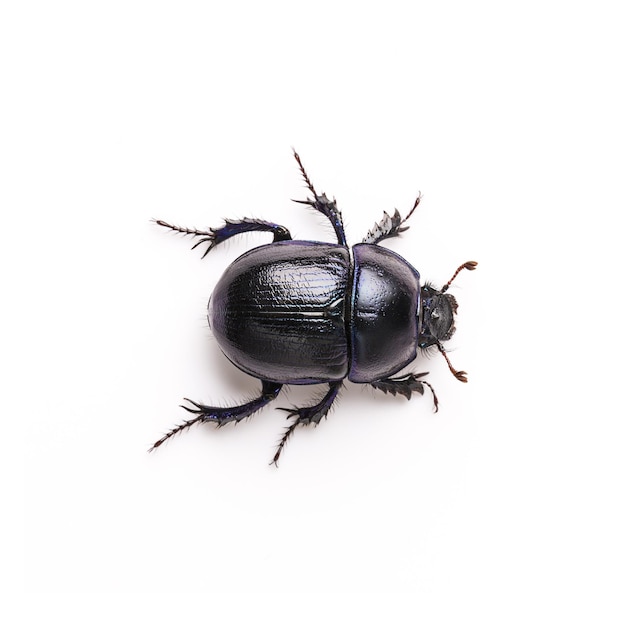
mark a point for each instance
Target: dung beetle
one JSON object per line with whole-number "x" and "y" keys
{"x": 306, "y": 313}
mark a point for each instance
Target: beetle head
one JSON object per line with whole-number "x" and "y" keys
{"x": 438, "y": 311}
{"x": 437, "y": 322}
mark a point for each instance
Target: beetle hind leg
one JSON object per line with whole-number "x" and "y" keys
{"x": 215, "y": 236}
{"x": 223, "y": 415}
{"x": 307, "y": 415}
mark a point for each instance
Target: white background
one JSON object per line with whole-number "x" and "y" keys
{"x": 507, "y": 507}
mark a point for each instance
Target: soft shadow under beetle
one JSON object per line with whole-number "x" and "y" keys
{"x": 305, "y": 313}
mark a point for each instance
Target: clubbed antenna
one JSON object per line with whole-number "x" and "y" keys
{"x": 469, "y": 265}
{"x": 458, "y": 374}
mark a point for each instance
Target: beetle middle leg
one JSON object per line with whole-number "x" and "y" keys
{"x": 215, "y": 236}
{"x": 223, "y": 415}
{"x": 307, "y": 415}
{"x": 322, "y": 204}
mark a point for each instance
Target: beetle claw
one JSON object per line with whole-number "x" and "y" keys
{"x": 195, "y": 411}
{"x": 290, "y": 412}
{"x": 211, "y": 240}
{"x": 304, "y": 415}
{"x": 200, "y": 409}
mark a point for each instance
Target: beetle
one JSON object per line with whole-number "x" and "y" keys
{"x": 305, "y": 313}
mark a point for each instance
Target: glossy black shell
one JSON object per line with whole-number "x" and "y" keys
{"x": 302, "y": 312}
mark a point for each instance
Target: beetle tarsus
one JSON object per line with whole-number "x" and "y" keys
{"x": 288, "y": 432}
{"x": 194, "y": 232}
{"x": 186, "y": 424}
{"x": 305, "y": 176}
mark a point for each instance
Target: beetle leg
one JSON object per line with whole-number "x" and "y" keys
{"x": 329, "y": 209}
{"x": 215, "y": 236}
{"x": 406, "y": 386}
{"x": 322, "y": 204}
{"x": 223, "y": 415}
{"x": 390, "y": 225}
{"x": 307, "y": 415}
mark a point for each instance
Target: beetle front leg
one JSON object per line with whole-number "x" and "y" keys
{"x": 406, "y": 386}
{"x": 307, "y": 415}
{"x": 215, "y": 236}
{"x": 223, "y": 415}
{"x": 390, "y": 225}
